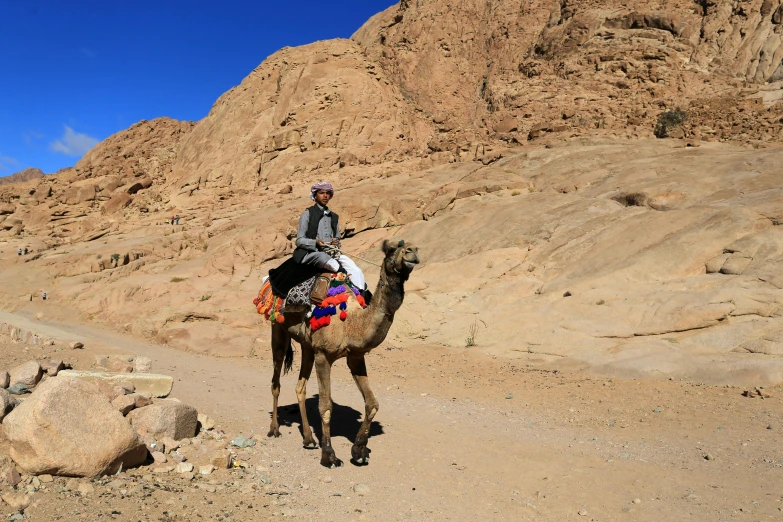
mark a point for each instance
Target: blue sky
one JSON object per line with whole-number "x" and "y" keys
{"x": 73, "y": 72}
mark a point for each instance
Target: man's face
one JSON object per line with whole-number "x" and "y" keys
{"x": 323, "y": 197}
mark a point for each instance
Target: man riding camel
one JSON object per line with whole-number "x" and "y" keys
{"x": 318, "y": 230}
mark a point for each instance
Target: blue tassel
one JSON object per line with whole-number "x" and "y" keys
{"x": 343, "y": 306}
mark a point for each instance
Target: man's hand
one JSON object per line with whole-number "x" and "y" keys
{"x": 319, "y": 243}
{"x": 335, "y": 241}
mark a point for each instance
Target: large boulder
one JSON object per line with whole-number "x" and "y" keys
{"x": 66, "y": 427}
{"x": 165, "y": 418}
{"x": 28, "y": 374}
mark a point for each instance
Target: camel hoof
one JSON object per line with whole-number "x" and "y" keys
{"x": 361, "y": 461}
{"x": 274, "y": 433}
{"x": 310, "y": 445}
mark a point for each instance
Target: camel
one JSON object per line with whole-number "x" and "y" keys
{"x": 363, "y": 330}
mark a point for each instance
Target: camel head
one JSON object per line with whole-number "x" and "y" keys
{"x": 401, "y": 257}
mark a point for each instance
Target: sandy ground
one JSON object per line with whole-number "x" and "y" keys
{"x": 460, "y": 436}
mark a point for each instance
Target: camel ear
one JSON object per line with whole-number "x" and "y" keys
{"x": 389, "y": 247}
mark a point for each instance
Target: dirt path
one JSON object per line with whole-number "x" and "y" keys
{"x": 463, "y": 436}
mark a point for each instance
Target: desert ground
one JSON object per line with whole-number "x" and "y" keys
{"x": 460, "y": 435}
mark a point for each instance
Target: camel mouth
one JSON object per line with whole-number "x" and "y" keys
{"x": 410, "y": 265}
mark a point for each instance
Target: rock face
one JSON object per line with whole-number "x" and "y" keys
{"x": 7, "y": 404}
{"x": 67, "y": 428}
{"x": 165, "y": 418}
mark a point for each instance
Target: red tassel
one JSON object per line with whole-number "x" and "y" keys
{"x": 360, "y": 299}
{"x": 280, "y": 318}
{"x": 343, "y": 315}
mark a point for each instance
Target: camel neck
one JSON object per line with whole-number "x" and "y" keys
{"x": 385, "y": 302}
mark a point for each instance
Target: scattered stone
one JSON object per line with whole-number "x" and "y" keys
{"x": 17, "y": 501}
{"x": 76, "y": 345}
{"x": 509, "y": 396}
{"x": 178, "y": 457}
{"x": 328, "y": 480}
{"x": 206, "y": 470}
{"x": 170, "y": 444}
{"x": 16, "y": 516}
{"x": 46, "y": 478}
{"x": 154, "y": 384}
{"x": 209, "y": 488}
{"x": 7, "y": 403}
{"x": 582, "y": 513}
{"x": 165, "y": 419}
{"x": 361, "y": 489}
{"x": 11, "y": 476}
{"x": 142, "y": 364}
{"x": 52, "y": 367}
{"x": 28, "y": 374}
{"x": 708, "y": 457}
{"x": 127, "y": 387}
{"x": 163, "y": 469}
{"x": 184, "y": 467}
{"x": 770, "y": 427}
{"x": 90, "y": 436}
{"x": 243, "y": 442}
{"x": 141, "y": 399}
{"x": 188, "y": 475}
{"x": 5, "y": 379}
{"x": 221, "y": 460}
{"x": 114, "y": 363}
{"x": 757, "y": 392}
{"x": 124, "y": 403}
{"x": 85, "y": 489}
{"x": 19, "y": 389}
{"x": 637, "y": 501}
{"x": 206, "y": 423}
{"x": 159, "y": 457}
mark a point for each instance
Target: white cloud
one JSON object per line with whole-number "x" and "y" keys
{"x": 7, "y": 162}
{"x": 73, "y": 143}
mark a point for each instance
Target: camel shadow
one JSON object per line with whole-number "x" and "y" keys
{"x": 345, "y": 420}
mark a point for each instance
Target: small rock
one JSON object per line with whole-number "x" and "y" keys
{"x": 266, "y": 479}
{"x": 16, "y": 516}
{"x": 128, "y": 387}
{"x": 177, "y": 457}
{"x": 184, "y": 467}
{"x": 124, "y": 403}
{"x": 209, "y": 488}
{"x": 165, "y": 418}
{"x": 171, "y": 444}
{"x": 221, "y": 460}
{"x": 328, "y": 480}
{"x": 207, "y": 423}
{"x": 637, "y": 501}
{"x": 243, "y": 442}
{"x": 361, "y": 489}
{"x": 76, "y": 345}
{"x": 7, "y": 403}
{"x": 509, "y": 396}
{"x": 72, "y": 484}
{"x": 159, "y": 457}
{"x": 582, "y": 513}
{"x": 28, "y": 374}
{"x": 708, "y": 457}
{"x": 142, "y": 364}
{"x": 45, "y": 478}
{"x": 206, "y": 470}
{"x": 85, "y": 488}
{"x": 188, "y": 475}
{"x": 19, "y": 389}
{"x": 140, "y": 399}
{"x": 770, "y": 427}
{"x": 163, "y": 469}
{"x": 5, "y": 379}
{"x": 17, "y": 501}
{"x": 53, "y": 367}
{"x": 11, "y": 476}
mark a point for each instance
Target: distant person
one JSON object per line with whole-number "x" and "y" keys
{"x": 176, "y": 218}
{"x": 43, "y": 296}
{"x": 25, "y": 251}
{"x": 172, "y": 220}
{"x": 19, "y": 252}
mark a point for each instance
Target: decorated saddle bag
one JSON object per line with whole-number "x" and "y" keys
{"x": 320, "y": 288}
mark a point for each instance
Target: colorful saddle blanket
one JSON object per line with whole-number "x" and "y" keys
{"x": 340, "y": 290}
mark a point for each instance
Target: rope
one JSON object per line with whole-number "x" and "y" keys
{"x": 335, "y": 252}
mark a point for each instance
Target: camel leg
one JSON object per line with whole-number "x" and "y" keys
{"x": 280, "y": 343}
{"x": 360, "y": 453}
{"x": 301, "y": 394}
{"x": 323, "y": 369}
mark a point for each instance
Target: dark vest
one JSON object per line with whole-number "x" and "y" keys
{"x": 312, "y": 229}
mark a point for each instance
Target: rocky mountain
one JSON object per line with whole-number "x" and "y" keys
{"x": 514, "y": 141}
{"x": 22, "y": 175}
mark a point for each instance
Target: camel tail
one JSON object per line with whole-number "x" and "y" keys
{"x": 289, "y": 358}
